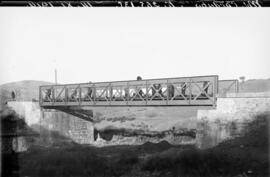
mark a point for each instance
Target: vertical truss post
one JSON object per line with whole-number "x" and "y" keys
{"x": 53, "y": 95}
{"x": 106, "y": 92}
{"x": 128, "y": 97}
{"x": 121, "y": 91}
{"x": 94, "y": 93}
{"x": 146, "y": 92}
{"x": 190, "y": 91}
{"x": 167, "y": 87}
{"x": 80, "y": 94}
{"x": 66, "y": 95}
{"x": 215, "y": 92}
{"x": 111, "y": 93}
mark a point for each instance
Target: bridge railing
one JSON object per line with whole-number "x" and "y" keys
{"x": 199, "y": 90}
{"x": 228, "y": 86}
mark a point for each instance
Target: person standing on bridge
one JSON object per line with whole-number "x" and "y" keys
{"x": 139, "y": 78}
{"x": 74, "y": 95}
{"x": 13, "y": 96}
{"x": 48, "y": 95}
{"x": 170, "y": 89}
{"x": 89, "y": 93}
{"x": 126, "y": 91}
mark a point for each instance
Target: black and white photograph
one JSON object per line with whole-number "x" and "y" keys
{"x": 134, "y": 88}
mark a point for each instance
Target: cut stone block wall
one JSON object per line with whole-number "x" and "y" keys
{"x": 50, "y": 122}
{"x": 229, "y": 118}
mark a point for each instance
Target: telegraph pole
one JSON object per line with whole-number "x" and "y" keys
{"x": 55, "y": 71}
{"x": 55, "y": 76}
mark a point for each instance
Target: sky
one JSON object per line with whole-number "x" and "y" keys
{"x": 107, "y": 44}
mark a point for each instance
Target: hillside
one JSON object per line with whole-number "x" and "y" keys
{"x": 255, "y": 85}
{"x": 25, "y": 90}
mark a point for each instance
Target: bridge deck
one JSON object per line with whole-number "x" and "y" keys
{"x": 199, "y": 90}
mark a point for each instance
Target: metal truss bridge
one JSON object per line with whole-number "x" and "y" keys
{"x": 181, "y": 91}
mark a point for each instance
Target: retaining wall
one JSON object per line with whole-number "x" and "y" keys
{"x": 229, "y": 118}
{"x": 54, "y": 123}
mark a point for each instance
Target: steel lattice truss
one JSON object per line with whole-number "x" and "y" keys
{"x": 200, "y": 90}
